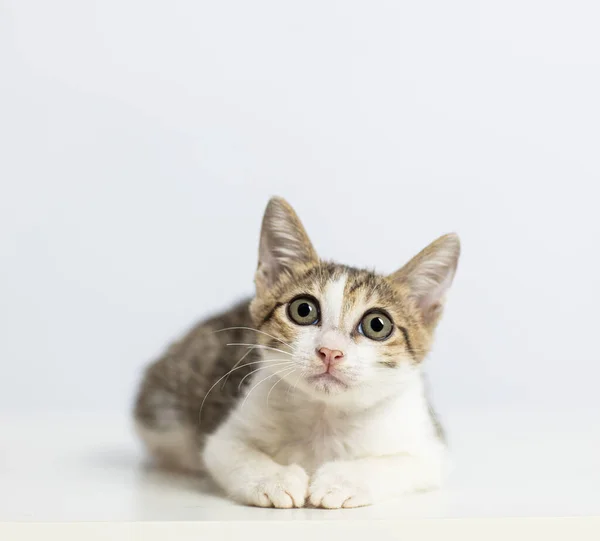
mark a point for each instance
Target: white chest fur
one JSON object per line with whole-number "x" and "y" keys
{"x": 310, "y": 433}
{"x": 321, "y": 434}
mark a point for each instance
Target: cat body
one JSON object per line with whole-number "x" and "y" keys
{"x": 313, "y": 391}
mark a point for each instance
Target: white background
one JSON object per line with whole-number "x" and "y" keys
{"x": 140, "y": 141}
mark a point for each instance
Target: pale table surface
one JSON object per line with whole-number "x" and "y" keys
{"x": 76, "y": 467}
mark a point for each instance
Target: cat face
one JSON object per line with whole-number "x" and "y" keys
{"x": 332, "y": 330}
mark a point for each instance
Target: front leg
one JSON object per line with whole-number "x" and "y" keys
{"x": 251, "y": 476}
{"x": 355, "y": 483}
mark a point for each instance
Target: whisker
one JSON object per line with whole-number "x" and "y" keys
{"x": 250, "y": 350}
{"x": 262, "y": 381}
{"x": 256, "y": 330}
{"x": 260, "y": 368}
{"x": 260, "y": 346}
{"x": 290, "y": 387}
{"x": 224, "y": 376}
{"x": 278, "y": 381}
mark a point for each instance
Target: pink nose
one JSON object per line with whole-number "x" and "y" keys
{"x": 330, "y": 357}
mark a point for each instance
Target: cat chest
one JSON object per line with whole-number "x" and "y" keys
{"x": 318, "y": 440}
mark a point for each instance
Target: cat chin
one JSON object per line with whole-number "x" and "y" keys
{"x": 327, "y": 384}
{"x": 332, "y": 390}
{"x": 318, "y": 387}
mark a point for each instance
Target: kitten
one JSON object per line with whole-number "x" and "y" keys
{"x": 312, "y": 392}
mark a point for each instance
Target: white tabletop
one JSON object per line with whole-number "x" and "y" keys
{"x": 76, "y": 467}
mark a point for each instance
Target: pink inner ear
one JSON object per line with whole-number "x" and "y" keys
{"x": 283, "y": 242}
{"x": 431, "y": 312}
{"x": 429, "y": 289}
{"x": 429, "y": 274}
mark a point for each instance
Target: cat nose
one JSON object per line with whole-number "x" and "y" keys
{"x": 330, "y": 356}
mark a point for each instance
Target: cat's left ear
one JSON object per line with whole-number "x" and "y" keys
{"x": 284, "y": 243}
{"x": 429, "y": 274}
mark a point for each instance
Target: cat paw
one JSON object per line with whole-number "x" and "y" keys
{"x": 285, "y": 489}
{"x": 335, "y": 486}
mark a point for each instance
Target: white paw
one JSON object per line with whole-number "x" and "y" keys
{"x": 285, "y": 489}
{"x": 334, "y": 485}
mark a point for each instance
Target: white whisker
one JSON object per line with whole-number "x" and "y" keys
{"x": 250, "y": 350}
{"x": 260, "y": 368}
{"x": 224, "y": 376}
{"x": 279, "y": 381}
{"x": 260, "y": 346}
{"x": 290, "y": 387}
{"x": 262, "y": 381}
{"x": 256, "y": 330}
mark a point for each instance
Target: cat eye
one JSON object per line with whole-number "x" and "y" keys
{"x": 304, "y": 311}
{"x": 376, "y": 325}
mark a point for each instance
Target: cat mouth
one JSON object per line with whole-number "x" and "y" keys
{"x": 327, "y": 381}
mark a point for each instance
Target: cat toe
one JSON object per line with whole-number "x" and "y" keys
{"x": 284, "y": 490}
{"x": 332, "y": 489}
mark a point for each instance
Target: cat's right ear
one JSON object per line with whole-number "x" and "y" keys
{"x": 284, "y": 243}
{"x": 429, "y": 274}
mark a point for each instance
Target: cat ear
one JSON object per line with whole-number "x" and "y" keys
{"x": 429, "y": 274}
{"x": 283, "y": 243}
